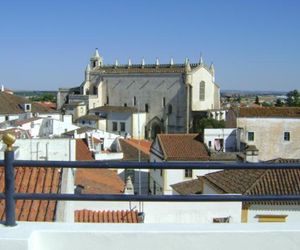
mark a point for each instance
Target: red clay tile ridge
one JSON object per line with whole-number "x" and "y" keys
{"x": 143, "y": 145}
{"x": 89, "y": 216}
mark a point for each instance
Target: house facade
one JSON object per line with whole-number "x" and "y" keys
{"x": 174, "y": 148}
{"x": 275, "y": 132}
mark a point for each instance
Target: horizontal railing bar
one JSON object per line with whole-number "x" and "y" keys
{"x": 154, "y": 165}
{"x": 162, "y": 198}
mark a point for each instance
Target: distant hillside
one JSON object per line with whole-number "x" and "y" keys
{"x": 251, "y": 93}
{"x": 34, "y": 93}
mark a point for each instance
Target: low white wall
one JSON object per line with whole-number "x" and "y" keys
{"x": 61, "y": 236}
{"x": 62, "y": 149}
{"x": 172, "y": 212}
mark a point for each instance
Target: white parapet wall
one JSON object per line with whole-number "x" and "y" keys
{"x": 61, "y": 236}
{"x": 171, "y": 212}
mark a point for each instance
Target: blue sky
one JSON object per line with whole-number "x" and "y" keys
{"x": 254, "y": 45}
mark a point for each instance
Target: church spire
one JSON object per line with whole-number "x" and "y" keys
{"x": 96, "y": 59}
{"x": 187, "y": 66}
{"x": 201, "y": 62}
{"x": 157, "y": 62}
{"x": 87, "y": 73}
{"x": 212, "y": 71}
{"x": 116, "y": 63}
{"x": 171, "y": 62}
{"x": 143, "y": 62}
{"x": 96, "y": 55}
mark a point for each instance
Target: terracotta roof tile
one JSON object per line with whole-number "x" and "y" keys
{"x": 33, "y": 180}
{"x": 269, "y": 112}
{"x": 257, "y": 182}
{"x": 95, "y": 181}
{"x": 99, "y": 181}
{"x": 82, "y": 151}
{"x": 106, "y": 216}
{"x": 189, "y": 187}
{"x": 183, "y": 147}
{"x": 130, "y": 149}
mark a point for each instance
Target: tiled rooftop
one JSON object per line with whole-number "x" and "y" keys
{"x": 257, "y": 182}
{"x": 99, "y": 181}
{"x": 106, "y": 216}
{"x": 95, "y": 181}
{"x": 130, "y": 148}
{"x": 269, "y": 112}
{"x": 183, "y": 147}
{"x": 33, "y": 180}
{"x": 82, "y": 151}
{"x": 11, "y": 104}
{"x": 189, "y": 187}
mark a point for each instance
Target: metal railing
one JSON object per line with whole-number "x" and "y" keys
{"x": 10, "y": 196}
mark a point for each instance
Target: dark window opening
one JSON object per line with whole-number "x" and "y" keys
{"x": 146, "y": 108}
{"x": 250, "y": 136}
{"x": 115, "y": 126}
{"x": 170, "y": 109}
{"x": 122, "y": 126}
{"x": 286, "y": 136}
{"x": 95, "y": 90}
{"x": 188, "y": 173}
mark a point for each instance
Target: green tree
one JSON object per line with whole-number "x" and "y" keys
{"x": 278, "y": 103}
{"x": 257, "y": 100}
{"x": 201, "y": 123}
{"x": 293, "y": 98}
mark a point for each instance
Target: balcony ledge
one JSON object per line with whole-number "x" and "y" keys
{"x": 61, "y": 236}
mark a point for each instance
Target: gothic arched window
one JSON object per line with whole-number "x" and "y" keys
{"x": 202, "y": 91}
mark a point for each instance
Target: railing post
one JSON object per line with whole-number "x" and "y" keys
{"x": 10, "y": 204}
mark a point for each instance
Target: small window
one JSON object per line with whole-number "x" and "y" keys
{"x": 170, "y": 109}
{"x": 95, "y": 90}
{"x": 125, "y": 104}
{"x": 115, "y": 126}
{"x": 188, "y": 173}
{"x": 202, "y": 91}
{"x": 209, "y": 144}
{"x": 107, "y": 99}
{"x": 6, "y": 118}
{"x": 146, "y": 108}
{"x": 221, "y": 220}
{"x": 250, "y": 136}
{"x": 164, "y": 102}
{"x": 122, "y": 126}
{"x": 161, "y": 172}
{"x": 134, "y": 101}
{"x": 286, "y": 136}
{"x": 27, "y": 107}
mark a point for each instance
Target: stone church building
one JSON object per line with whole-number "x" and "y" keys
{"x": 170, "y": 94}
